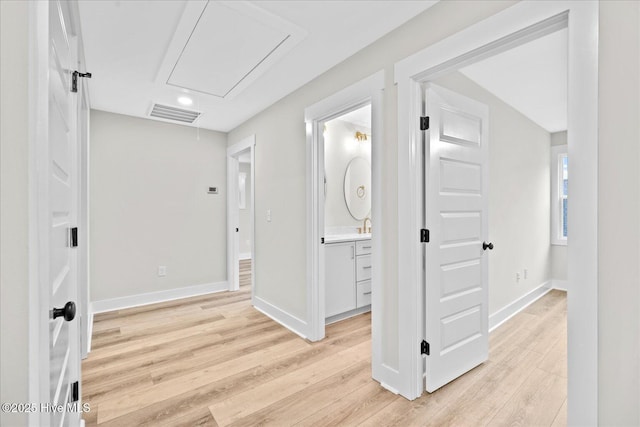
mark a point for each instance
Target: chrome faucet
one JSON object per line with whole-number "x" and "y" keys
{"x": 364, "y": 225}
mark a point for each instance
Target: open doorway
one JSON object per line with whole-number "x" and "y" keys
{"x": 240, "y": 215}
{"x": 488, "y": 189}
{"x": 347, "y": 214}
{"x": 489, "y": 183}
{"x": 517, "y": 26}
{"x": 350, "y": 123}
{"x": 245, "y": 222}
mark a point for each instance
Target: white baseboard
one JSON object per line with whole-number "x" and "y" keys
{"x": 120, "y": 303}
{"x": 90, "y": 329}
{"x": 347, "y": 314}
{"x": 245, "y": 255}
{"x": 287, "y": 320}
{"x": 385, "y": 375}
{"x": 389, "y": 388}
{"x": 507, "y": 312}
{"x": 561, "y": 285}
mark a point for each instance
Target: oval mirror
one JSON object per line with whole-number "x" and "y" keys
{"x": 357, "y": 188}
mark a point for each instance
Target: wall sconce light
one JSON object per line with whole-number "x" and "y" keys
{"x": 361, "y": 136}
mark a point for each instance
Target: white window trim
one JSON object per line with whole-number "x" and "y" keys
{"x": 556, "y": 207}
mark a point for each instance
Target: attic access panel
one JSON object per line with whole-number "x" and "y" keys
{"x": 226, "y": 46}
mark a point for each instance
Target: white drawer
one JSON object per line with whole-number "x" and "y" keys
{"x": 363, "y": 293}
{"x": 363, "y": 267}
{"x": 363, "y": 247}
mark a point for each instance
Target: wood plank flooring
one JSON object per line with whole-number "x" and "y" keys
{"x": 215, "y": 361}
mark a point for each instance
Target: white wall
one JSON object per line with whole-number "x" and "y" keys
{"x": 281, "y": 137}
{"x": 519, "y": 196}
{"x": 559, "y": 260}
{"x": 280, "y": 163}
{"x": 149, "y": 206}
{"x": 619, "y": 214}
{"x": 619, "y": 188}
{"x": 14, "y": 214}
{"x": 559, "y": 138}
{"x": 340, "y": 147}
{"x": 245, "y": 214}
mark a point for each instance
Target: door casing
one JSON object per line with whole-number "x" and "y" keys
{"x": 516, "y": 25}
{"x": 86, "y": 316}
{"x": 366, "y": 91}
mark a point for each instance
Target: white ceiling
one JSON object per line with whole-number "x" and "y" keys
{"x": 531, "y": 78}
{"x": 233, "y": 59}
{"x": 359, "y": 117}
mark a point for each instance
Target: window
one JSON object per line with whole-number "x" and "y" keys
{"x": 564, "y": 162}
{"x": 559, "y": 194}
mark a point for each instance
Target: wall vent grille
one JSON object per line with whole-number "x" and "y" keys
{"x": 168, "y": 112}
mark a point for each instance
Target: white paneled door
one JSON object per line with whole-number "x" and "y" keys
{"x": 61, "y": 218}
{"x": 456, "y": 288}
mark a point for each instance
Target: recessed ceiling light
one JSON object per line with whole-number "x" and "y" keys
{"x": 185, "y": 100}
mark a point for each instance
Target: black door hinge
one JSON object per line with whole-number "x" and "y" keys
{"x": 424, "y": 235}
{"x": 424, "y": 347}
{"x": 74, "y": 79}
{"x": 424, "y": 123}
{"x": 75, "y": 392}
{"x": 73, "y": 237}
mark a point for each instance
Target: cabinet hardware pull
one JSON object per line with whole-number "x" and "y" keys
{"x": 367, "y": 293}
{"x": 366, "y": 266}
{"x": 352, "y": 252}
{"x": 366, "y": 247}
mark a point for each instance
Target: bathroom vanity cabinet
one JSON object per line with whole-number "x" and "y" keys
{"x": 347, "y": 278}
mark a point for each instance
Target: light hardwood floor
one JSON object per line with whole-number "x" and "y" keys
{"x": 216, "y": 361}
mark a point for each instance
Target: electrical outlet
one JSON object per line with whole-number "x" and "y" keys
{"x": 518, "y": 277}
{"x": 162, "y": 271}
{"x": 268, "y": 215}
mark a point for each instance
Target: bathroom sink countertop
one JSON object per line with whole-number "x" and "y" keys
{"x": 336, "y": 238}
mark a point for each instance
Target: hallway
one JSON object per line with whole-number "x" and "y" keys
{"x": 214, "y": 360}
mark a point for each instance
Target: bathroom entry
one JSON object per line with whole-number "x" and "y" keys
{"x": 347, "y": 214}
{"x": 344, "y": 249}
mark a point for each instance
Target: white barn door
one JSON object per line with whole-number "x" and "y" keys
{"x": 456, "y": 288}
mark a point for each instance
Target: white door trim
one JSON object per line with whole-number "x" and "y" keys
{"x": 38, "y": 241}
{"x": 86, "y": 316}
{"x": 368, "y": 90}
{"x": 501, "y": 31}
{"x": 84, "y": 152}
{"x": 556, "y": 204}
{"x": 233, "y": 255}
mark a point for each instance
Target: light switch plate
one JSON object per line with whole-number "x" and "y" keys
{"x": 162, "y": 270}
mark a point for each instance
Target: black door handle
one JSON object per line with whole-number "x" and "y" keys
{"x": 237, "y": 229}
{"x": 486, "y": 246}
{"x": 68, "y": 311}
